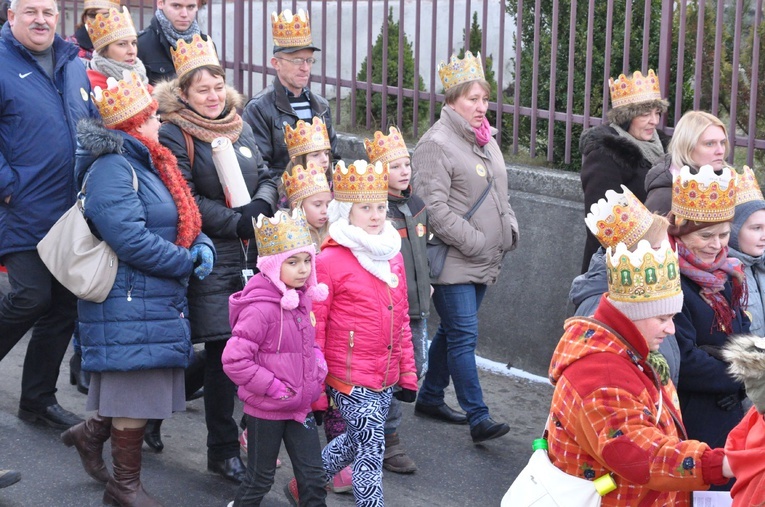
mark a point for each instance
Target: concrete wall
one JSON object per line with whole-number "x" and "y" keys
{"x": 521, "y": 317}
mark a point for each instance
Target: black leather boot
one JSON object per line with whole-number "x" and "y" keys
{"x": 152, "y": 435}
{"x": 77, "y": 376}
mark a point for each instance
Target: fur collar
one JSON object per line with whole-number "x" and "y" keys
{"x": 98, "y": 140}
{"x": 745, "y": 355}
{"x": 603, "y": 137}
{"x": 168, "y": 95}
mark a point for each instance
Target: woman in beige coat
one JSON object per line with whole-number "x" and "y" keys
{"x": 458, "y": 171}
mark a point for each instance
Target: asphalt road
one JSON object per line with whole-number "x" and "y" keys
{"x": 452, "y": 470}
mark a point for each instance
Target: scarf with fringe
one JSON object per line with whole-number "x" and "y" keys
{"x": 229, "y": 124}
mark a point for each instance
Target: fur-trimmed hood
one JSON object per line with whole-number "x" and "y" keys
{"x": 745, "y": 355}
{"x": 168, "y": 95}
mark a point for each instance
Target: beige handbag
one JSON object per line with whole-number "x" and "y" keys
{"x": 81, "y": 262}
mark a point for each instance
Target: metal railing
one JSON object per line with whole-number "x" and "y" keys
{"x": 706, "y": 52}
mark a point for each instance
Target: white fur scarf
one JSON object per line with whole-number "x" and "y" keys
{"x": 372, "y": 252}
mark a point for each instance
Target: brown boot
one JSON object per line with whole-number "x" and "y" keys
{"x": 88, "y": 438}
{"x": 395, "y": 458}
{"x": 124, "y": 488}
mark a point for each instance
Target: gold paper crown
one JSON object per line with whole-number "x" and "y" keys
{"x": 290, "y": 30}
{"x": 643, "y": 275}
{"x": 282, "y": 233}
{"x": 187, "y": 57}
{"x": 361, "y": 182}
{"x": 747, "y": 188}
{"x": 306, "y": 137}
{"x": 304, "y": 182}
{"x": 619, "y": 218}
{"x": 100, "y": 4}
{"x": 638, "y": 88}
{"x": 458, "y": 71}
{"x": 110, "y": 27}
{"x": 122, "y": 99}
{"x": 388, "y": 148}
{"x": 704, "y": 197}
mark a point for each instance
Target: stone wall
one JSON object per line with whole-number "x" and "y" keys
{"x": 522, "y": 315}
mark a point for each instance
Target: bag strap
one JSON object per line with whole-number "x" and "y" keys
{"x": 189, "y": 147}
{"x": 81, "y": 195}
{"x": 480, "y": 200}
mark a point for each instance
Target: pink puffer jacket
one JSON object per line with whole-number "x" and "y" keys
{"x": 363, "y": 325}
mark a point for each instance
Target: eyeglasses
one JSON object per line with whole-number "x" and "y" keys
{"x": 299, "y": 61}
{"x": 156, "y": 117}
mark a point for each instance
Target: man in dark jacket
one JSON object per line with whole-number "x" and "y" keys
{"x": 289, "y": 98}
{"x": 44, "y": 92}
{"x": 173, "y": 20}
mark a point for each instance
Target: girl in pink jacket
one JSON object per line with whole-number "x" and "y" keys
{"x": 363, "y": 325}
{"x": 273, "y": 358}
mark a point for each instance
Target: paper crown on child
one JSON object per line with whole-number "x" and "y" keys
{"x": 360, "y": 182}
{"x": 619, "y": 218}
{"x": 306, "y": 137}
{"x": 122, "y": 99}
{"x": 747, "y": 188}
{"x": 291, "y": 32}
{"x": 644, "y": 283}
{"x": 458, "y": 71}
{"x": 100, "y": 4}
{"x": 388, "y": 148}
{"x": 110, "y": 27}
{"x": 189, "y": 56}
{"x": 304, "y": 182}
{"x": 705, "y": 196}
{"x": 632, "y": 90}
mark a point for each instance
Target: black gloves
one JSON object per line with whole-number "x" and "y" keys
{"x": 405, "y": 395}
{"x": 244, "y": 228}
{"x": 318, "y": 415}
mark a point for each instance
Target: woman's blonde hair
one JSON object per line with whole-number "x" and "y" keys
{"x": 687, "y": 133}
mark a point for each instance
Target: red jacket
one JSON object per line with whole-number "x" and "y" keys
{"x": 745, "y": 449}
{"x": 363, "y": 325}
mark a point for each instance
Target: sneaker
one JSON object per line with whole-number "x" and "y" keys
{"x": 291, "y": 492}
{"x": 342, "y": 482}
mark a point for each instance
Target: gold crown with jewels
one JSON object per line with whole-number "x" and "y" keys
{"x": 705, "y": 196}
{"x": 304, "y": 182}
{"x": 282, "y": 233}
{"x": 306, "y": 137}
{"x": 290, "y": 30}
{"x": 100, "y": 4}
{"x": 747, "y": 188}
{"x": 458, "y": 71}
{"x": 122, "y": 99}
{"x": 644, "y": 275}
{"x": 619, "y": 218}
{"x": 360, "y": 182}
{"x": 110, "y": 27}
{"x": 189, "y": 56}
{"x": 638, "y": 88}
{"x": 388, "y": 148}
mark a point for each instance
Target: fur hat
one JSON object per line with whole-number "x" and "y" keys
{"x": 626, "y": 113}
{"x": 745, "y": 355}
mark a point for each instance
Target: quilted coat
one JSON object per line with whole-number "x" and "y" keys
{"x": 745, "y": 449}
{"x": 603, "y": 417}
{"x": 363, "y": 325}
{"x": 269, "y": 342}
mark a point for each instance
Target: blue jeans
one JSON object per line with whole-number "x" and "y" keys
{"x": 452, "y": 351}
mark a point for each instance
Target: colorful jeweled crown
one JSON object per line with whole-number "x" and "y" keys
{"x": 360, "y": 182}
{"x": 100, "y": 4}
{"x": 306, "y": 137}
{"x": 458, "y": 71}
{"x": 187, "y": 57}
{"x": 619, "y": 218}
{"x": 290, "y": 30}
{"x": 747, "y": 188}
{"x": 122, "y": 99}
{"x": 110, "y": 27}
{"x": 705, "y": 196}
{"x": 304, "y": 182}
{"x": 282, "y": 233}
{"x": 388, "y": 148}
{"x": 638, "y": 88}
{"x": 644, "y": 275}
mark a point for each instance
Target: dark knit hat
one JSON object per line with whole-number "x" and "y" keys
{"x": 743, "y": 212}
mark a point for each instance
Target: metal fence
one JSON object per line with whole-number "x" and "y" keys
{"x": 551, "y": 60}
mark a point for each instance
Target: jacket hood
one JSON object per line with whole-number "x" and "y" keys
{"x": 168, "y": 95}
{"x": 95, "y": 140}
{"x": 258, "y": 290}
{"x": 583, "y": 337}
{"x": 593, "y": 282}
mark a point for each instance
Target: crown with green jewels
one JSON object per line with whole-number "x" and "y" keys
{"x": 644, "y": 275}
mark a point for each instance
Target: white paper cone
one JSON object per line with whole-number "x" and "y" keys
{"x": 229, "y": 173}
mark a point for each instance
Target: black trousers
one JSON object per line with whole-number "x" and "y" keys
{"x": 38, "y": 302}
{"x": 222, "y": 431}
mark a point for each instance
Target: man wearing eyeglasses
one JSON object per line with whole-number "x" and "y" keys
{"x": 173, "y": 20}
{"x": 289, "y": 98}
